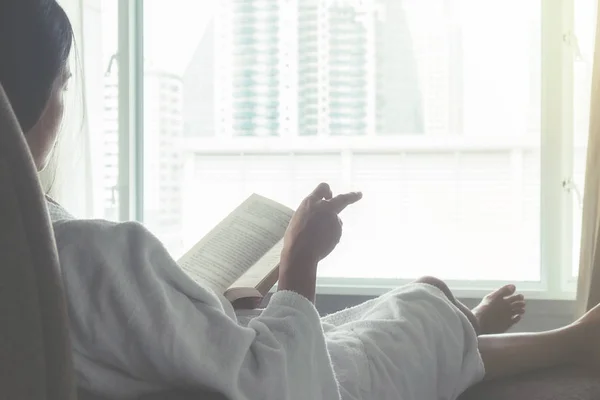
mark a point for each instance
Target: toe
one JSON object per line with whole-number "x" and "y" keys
{"x": 504, "y": 291}
{"x": 518, "y": 304}
{"x": 516, "y": 318}
{"x": 518, "y": 308}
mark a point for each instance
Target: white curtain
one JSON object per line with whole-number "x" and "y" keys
{"x": 71, "y": 177}
{"x": 588, "y": 286}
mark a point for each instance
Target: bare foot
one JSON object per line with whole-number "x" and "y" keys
{"x": 500, "y": 310}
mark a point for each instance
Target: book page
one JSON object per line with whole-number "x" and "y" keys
{"x": 261, "y": 270}
{"x": 237, "y": 243}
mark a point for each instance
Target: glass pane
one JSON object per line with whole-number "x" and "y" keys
{"x": 431, "y": 107}
{"x": 585, "y": 29}
{"x": 109, "y": 144}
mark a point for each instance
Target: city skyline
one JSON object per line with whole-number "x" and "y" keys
{"x": 299, "y": 77}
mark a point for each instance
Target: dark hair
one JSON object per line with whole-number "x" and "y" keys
{"x": 35, "y": 41}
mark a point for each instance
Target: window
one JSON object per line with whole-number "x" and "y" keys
{"x": 443, "y": 112}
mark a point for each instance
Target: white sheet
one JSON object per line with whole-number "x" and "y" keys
{"x": 409, "y": 344}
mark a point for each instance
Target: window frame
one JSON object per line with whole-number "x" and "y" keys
{"x": 556, "y": 200}
{"x": 130, "y": 55}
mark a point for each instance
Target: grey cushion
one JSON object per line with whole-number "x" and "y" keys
{"x": 35, "y": 354}
{"x": 554, "y": 384}
{"x": 206, "y": 395}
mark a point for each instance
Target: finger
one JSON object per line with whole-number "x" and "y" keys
{"x": 323, "y": 191}
{"x": 514, "y": 298}
{"x": 341, "y": 201}
{"x": 517, "y": 318}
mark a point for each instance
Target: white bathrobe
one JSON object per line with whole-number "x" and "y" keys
{"x": 139, "y": 325}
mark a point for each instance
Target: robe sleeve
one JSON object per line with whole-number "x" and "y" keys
{"x": 135, "y": 314}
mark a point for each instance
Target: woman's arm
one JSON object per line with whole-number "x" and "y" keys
{"x": 298, "y": 274}
{"x": 313, "y": 233}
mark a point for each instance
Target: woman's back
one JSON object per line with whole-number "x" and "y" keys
{"x": 140, "y": 325}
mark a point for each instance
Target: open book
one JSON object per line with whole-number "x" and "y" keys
{"x": 240, "y": 256}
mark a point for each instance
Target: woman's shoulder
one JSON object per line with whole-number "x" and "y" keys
{"x": 56, "y": 211}
{"x": 96, "y": 234}
{"x": 93, "y": 250}
{"x": 116, "y": 249}
{"x": 65, "y": 223}
{"x": 99, "y": 233}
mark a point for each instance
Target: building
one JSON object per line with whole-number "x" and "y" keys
{"x": 199, "y": 106}
{"x": 399, "y": 96}
{"x": 310, "y": 81}
{"x": 248, "y": 68}
{"x": 110, "y": 143}
{"x": 365, "y": 67}
{"x": 305, "y": 67}
{"x": 347, "y": 62}
{"x": 436, "y": 41}
{"x": 163, "y": 154}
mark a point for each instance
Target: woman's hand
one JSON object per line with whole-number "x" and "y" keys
{"x": 313, "y": 233}
{"x": 315, "y": 229}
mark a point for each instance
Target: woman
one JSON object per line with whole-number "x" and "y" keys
{"x": 140, "y": 325}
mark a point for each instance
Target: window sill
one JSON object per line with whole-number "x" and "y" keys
{"x": 463, "y": 290}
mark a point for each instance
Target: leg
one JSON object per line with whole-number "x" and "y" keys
{"x": 511, "y": 354}
{"x": 408, "y": 343}
{"x": 438, "y": 283}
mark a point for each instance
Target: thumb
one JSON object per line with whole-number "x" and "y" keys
{"x": 323, "y": 191}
